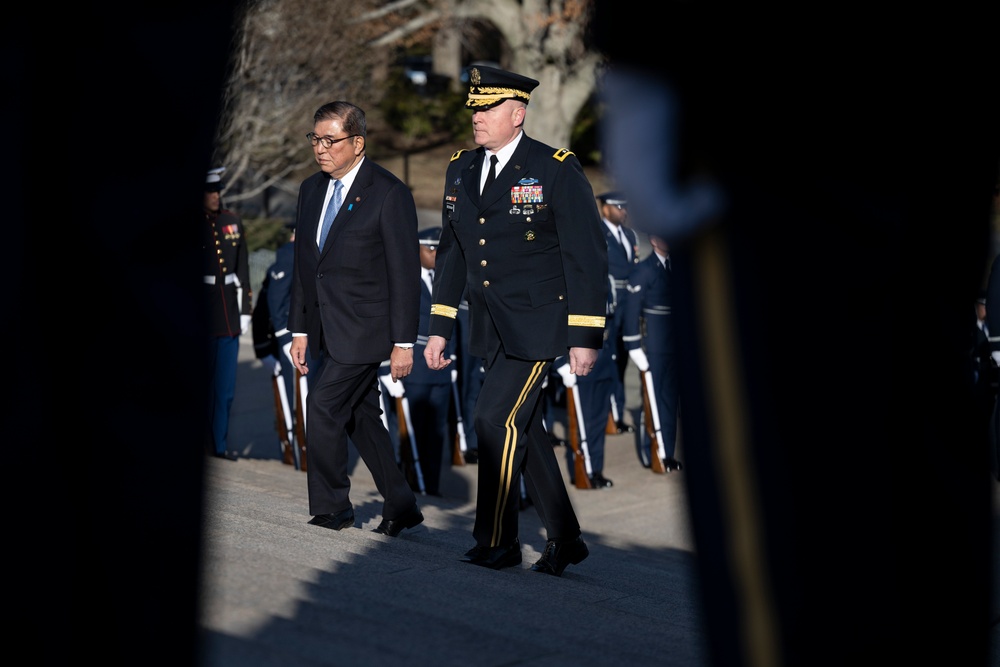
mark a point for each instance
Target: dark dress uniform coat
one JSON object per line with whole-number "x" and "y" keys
{"x": 227, "y": 273}
{"x": 530, "y": 250}
{"x": 648, "y": 323}
{"x": 620, "y": 265}
{"x": 533, "y": 256}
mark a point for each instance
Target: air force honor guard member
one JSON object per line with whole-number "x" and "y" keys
{"x": 648, "y": 332}
{"x": 530, "y": 247}
{"x": 229, "y": 302}
{"x": 623, "y": 256}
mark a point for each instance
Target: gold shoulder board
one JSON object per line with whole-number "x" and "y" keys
{"x": 562, "y": 154}
{"x": 456, "y": 154}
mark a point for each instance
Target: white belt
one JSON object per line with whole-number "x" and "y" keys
{"x": 230, "y": 279}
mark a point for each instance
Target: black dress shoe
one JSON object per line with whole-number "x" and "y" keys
{"x": 472, "y": 456}
{"x": 229, "y": 456}
{"x": 337, "y": 521}
{"x": 558, "y": 555}
{"x": 599, "y": 481}
{"x": 393, "y": 527}
{"x": 494, "y": 557}
{"x": 670, "y": 463}
{"x": 624, "y": 428}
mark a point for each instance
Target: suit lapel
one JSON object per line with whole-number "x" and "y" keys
{"x": 309, "y": 219}
{"x": 353, "y": 199}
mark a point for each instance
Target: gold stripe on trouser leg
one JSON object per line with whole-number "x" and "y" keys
{"x": 507, "y": 457}
{"x": 739, "y": 498}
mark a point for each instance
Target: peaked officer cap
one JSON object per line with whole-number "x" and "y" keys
{"x": 613, "y": 198}
{"x": 490, "y": 86}
{"x": 430, "y": 236}
{"x": 214, "y": 181}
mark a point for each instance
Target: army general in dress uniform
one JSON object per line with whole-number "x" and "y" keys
{"x": 530, "y": 247}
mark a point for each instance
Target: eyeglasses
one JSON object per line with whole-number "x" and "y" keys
{"x": 326, "y": 141}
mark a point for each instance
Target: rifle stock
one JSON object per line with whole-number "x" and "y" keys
{"x": 611, "y": 428}
{"x": 410, "y": 457}
{"x": 281, "y": 423}
{"x": 459, "y": 447}
{"x": 580, "y": 477}
{"x": 300, "y": 418}
{"x": 656, "y": 463}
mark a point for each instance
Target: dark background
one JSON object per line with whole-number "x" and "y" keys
{"x": 108, "y": 122}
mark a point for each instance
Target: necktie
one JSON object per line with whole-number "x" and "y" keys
{"x": 621, "y": 239}
{"x": 331, "y": 212}
{"x": 491, "y": 176}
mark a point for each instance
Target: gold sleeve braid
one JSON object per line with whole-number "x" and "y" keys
{"x": 444, "y": 311}
{"x": 586, "y": 321}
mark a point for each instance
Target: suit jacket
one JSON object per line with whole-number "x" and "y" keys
{"x": 358, "y": 294}
{"x": 531, "y": 251}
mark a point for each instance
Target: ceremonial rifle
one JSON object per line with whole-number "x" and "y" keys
{"x": 406, "y": 433}
{"x": 578, "y": 441}
{"x": 460, "y": 446}
{"x": 611, "y": 428}
{"x": 652, "y": 420}
{"x": 302, "y": 390}
{"x": 283, "y": 421}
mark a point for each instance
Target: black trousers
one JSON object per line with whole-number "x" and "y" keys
{"x": 344, "y": 403}
{"x": 512, "y": 442}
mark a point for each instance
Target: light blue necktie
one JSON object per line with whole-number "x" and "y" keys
{"x": 331, "y": 212}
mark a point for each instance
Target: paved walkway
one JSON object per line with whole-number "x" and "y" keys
{"x": 279, "y": 592}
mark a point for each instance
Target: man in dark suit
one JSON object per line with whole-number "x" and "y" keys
{"x": 521, "y": 230}
{"x": 354, "y": 304}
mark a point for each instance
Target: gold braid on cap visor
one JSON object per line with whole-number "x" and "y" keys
{"x": 489, "y": 95}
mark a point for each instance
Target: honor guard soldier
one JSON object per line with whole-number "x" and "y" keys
{"x": 521, "y": 230}
{"x": 623, "y": 255}
{"x": 229, "y": 301}
{"x": 649, "y": 337}
{"x": 594, "y": 392}
{"x": 429, "y": 391}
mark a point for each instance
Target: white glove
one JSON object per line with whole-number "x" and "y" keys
{"x": 454, "y": 375}
{"x": 245, "y": 323}
{"x": 394, "y": 387}
{"x": 638, "y": 357}
{"x": 568, "y": 378}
